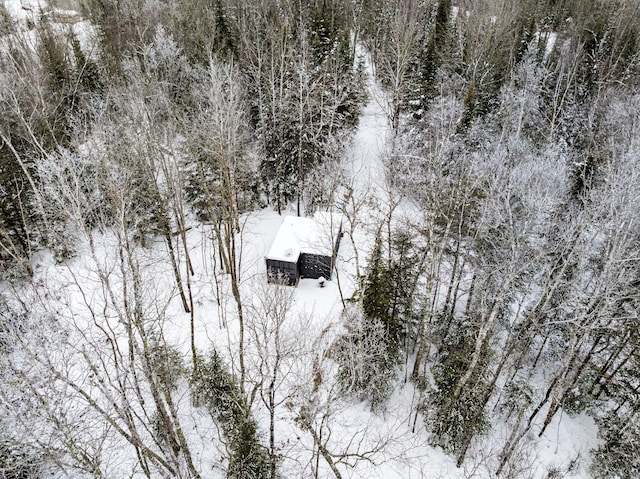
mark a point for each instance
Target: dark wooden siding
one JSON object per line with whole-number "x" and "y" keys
{"x": 336, "y": 247}
{"x": 315, "y": 265}
{"x": 282, "y": 269}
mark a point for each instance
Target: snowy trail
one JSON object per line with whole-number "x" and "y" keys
{"x": 406, "y": 454}
{"x": 568, "y": 437}
{"x": 365, "y": 159}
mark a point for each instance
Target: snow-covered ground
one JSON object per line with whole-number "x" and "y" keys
{"x": 23, "y": 10}
{"x": 400, "y": 441}
{"x": 64, "y": 15}
{"x": 354, "y": 427}
{"x": 370, "y": 142}
{"x": 400, "y": 453}
{"x": 405, "y": 454}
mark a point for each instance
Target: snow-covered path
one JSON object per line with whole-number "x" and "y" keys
{"x": 365, "y": 159}
{"x": 409, "y": 454}
{"x": 315, "y": 315}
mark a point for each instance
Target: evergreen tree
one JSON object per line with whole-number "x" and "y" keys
{"x": 217, "y": 390}
{"x": 387, "y": 290}
{"x": 455, "y": 421}
{"x": 434, "y": 51}
{"x": 376, "y": 290}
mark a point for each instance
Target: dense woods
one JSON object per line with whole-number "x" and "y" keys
{"x": 498, "y": 274}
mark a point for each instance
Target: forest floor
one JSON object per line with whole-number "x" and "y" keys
{"x": 402, "y": 449}
{"x": 408, "y": 455}
{"x": 389, "y": 442}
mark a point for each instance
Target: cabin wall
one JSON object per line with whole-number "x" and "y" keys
{"x": 282, "y": 269}
{"x": 336, "y": 246}
{"x": 314, "y": 265}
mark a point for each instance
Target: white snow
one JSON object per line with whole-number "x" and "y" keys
{"x": 293, "y": 231}
{"x": 548, "y": 40}
{"x": 371, "y": 138}
{"x": 23, "y": 10}
{"x": 305, "y": 235}
{"x": 315, "y": 318}
{"x": 27, "y": 13}
{"x": 454, "y": 13}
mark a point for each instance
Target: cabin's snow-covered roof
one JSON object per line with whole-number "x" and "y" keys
{"x": 305, "y": 235}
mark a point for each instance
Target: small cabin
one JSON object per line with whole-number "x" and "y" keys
{"x": 304, "y": 248}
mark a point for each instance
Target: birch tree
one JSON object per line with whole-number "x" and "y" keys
{"x": 219, "y": 176}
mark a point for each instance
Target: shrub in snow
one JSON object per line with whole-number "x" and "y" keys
{"x": 617, "y": 457}
{"x": 168, "y": 364}
{"x": 365, "y": 369}
{"x": 18, "y": 461}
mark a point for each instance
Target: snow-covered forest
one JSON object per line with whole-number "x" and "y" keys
{"x": 482, "y": 318}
